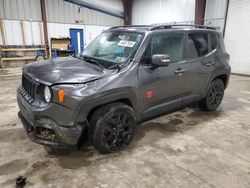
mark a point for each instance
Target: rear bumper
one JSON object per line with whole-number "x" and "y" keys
{"x": 42, "y": 129}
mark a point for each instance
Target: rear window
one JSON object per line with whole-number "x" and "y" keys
{"x": 197, "y": 45}
{"x": 213, "y": 41}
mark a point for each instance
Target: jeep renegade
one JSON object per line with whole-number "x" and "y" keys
{"x": 128, "y": 74}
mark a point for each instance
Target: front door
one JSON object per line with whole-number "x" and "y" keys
{"x": 162, "y": 88}
{"x": 76, "y": 36}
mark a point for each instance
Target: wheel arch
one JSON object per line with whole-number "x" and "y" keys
{"x": 126, "y": 101}
{"x": 87, "y": 109}
{"x": 223, "y": 77}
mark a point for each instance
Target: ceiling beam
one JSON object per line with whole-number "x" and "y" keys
{"x": 99, "y": 8}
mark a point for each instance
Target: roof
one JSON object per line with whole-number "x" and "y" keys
{"x": 159, "y": 27}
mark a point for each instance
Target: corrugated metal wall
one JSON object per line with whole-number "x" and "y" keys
{"x": 237, "y": 36}
{"x": 64, "y": 12}
{"x": 14, "y": 36}
{"x": 58, "y": 11}
{"x": 32, "y": 30}
{"x": 113, "y": 4}
{"x": 62, "y": 30}
{"x": 215, "y": 13}
{"x": 20, "y": 10}
{"x": 61, "y": 16}
{"x": 162, "y": 11}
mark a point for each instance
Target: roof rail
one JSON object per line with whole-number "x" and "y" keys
{"x": 181, "y": 25}
{"x": 124, "y": 26}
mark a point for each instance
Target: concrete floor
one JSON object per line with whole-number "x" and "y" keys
{"x": 188, "y": 148}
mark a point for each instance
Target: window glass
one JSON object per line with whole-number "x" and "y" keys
{"x": 114, "y": 46}
{"x": 168, "y": 44}
{"x": 147, "y": 55}
{"x": 197, "y": 45}
{"x": 213, "y": 41}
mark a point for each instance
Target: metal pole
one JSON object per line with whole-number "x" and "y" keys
{"x": 45, "y": 29}
{"x": 127, "y": 9}
{"x": 225, "y": 22}
{"x": 200, "y": 6}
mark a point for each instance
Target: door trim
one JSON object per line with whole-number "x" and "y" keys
{"x": 162, "y": 108}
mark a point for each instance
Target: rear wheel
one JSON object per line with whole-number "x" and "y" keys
{"x": 112, "y": 127}
{"x": 214, "y": 95}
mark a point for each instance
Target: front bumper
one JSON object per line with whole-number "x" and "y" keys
{"x": 44, "y": 129}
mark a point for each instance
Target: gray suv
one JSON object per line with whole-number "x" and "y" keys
{"x": 128, "y": 74}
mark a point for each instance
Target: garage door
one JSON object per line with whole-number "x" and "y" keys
{"x": 237, "y": 35}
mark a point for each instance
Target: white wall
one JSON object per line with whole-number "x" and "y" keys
{"x": 61, "y": 16}
{"x": 215, "y": 13}
{"x": 113, "y": 4}
{"x": 13, "y": 34}
{"x": 59, "y": 11}
{"x": 237, "y": 36}
{"x": 215, "y": 9}
{"x": 162, "y": 11}
{"x": 62, "y": 30}
{"x": 20, "y": 9}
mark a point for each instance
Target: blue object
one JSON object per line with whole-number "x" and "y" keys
{"x": 74, "y": 40}
{"x": 38, "y": 53}
{"x": 120, "y": 50}
{"x": 55, "y": 54}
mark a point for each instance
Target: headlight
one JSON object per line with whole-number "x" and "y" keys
{"x": 47, "y": 94}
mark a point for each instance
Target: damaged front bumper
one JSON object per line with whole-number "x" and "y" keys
{"x": 46, "y": 131}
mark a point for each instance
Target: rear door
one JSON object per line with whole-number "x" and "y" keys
{"x": 201, "y": 49}
{"x": 162, "y": 88}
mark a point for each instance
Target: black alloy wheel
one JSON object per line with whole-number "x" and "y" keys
{"x": 118, "y": 131}
{"x": 214, "y": 95}
{"x": 112, "y": 127}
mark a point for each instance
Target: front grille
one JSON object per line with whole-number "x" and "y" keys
{"x": 29, "y": 85}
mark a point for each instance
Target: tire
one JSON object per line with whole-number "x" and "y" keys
{"x": 214, "y": 95}
{"x": 112, "y": 127}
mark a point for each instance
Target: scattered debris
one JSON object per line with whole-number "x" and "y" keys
{"x": 20, "y": 181}
{"x": 41, "y": 164}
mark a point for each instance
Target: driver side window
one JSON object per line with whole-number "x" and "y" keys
{"x": 168, "y": 44}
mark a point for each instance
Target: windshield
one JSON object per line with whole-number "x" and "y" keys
{"x": 114, "y": 46}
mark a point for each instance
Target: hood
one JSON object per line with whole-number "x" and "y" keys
{"x": 65, "y": 70}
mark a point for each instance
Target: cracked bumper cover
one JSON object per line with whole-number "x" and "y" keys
{"x": 44, "y": 130}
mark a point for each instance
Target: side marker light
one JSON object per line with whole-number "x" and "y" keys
{"x": 60, "y": 94}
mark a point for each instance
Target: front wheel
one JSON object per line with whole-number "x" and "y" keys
{"x": 112, "y": 127}
{"x": 214, "y": 95}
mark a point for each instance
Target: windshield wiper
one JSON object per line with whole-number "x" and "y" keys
{"x": 93, "y": 60}
{"x": 114, "y": 66}
{"x": 119, "y": 66}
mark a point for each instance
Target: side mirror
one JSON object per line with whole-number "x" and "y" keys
{"x": 160, "y": 60}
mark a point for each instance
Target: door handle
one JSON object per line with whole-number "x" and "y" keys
{"x": 210, "y": 63}
{"x": 180, "y": 71}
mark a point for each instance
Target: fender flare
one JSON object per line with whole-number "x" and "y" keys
{"x": 215, "y": 75}
{"x": 87, "y": 107}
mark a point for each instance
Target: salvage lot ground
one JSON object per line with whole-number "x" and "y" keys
{"x": 188, "y": 148}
